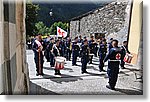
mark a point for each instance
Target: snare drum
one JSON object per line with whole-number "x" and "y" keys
{"x": 128, "y": 58}
{"x": 59, "y": 62}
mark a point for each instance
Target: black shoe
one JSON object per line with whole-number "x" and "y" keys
{"x": 56, "y": 74}
{"x": 84, "y": 72}
{"x": 122, "y": 67}
{"x": 109, "y": 87}
{"x": 41, "y": 74}
{"x": 37, "y": 74}
{"x": 59, "y": 73}
{"x": 102, "y": 71}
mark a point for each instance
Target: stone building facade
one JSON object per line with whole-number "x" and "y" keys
{"x": 13, "y": 67}
{"x": 121, "y": 20}
{"x": 112, "y": 19}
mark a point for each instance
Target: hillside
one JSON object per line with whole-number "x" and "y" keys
{"x": 64, "y": 12}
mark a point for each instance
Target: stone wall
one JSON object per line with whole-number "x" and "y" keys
{"x": 1, "y": 46}
{"x": 13, "y": 67}
{"x": 112, "y": 18}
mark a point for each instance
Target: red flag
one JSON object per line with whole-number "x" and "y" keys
{"x": 61, "y": 32}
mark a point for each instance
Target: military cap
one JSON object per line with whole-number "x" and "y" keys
{"x": 52, "y": 39}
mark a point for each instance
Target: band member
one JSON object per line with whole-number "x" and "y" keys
{"x": 113, "y": 58}
{"x": 84, "y": 56}
{"x": 46, "y": 52}
{"x": 75, "y": 51}
{"x": 68, "y": 49}
{"x": 80, "y": 43}
{"x": 37, "y": 47}
{"x": 92, "y": 48}
{"x": 80, "y": 39}
{"x": 124, "y": 51}
{"x": 84, "y": 38}
{"x": 110, "y": 44}
{"x": 29, "y": 44}
{"x": 102, "y": 54}
{"x": 56, "y": 52}
{"x": 51, "y": 56}
{"x": 63, "y": 47}
{"x": 95, "y": 49}
{"x": 33, "y": 39}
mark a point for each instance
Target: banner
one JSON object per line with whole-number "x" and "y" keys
{"x": 61, "y": 33}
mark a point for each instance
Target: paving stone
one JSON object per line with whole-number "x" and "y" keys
{"x": 72, "y": 82}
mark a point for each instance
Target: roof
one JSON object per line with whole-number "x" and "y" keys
{"x": 83, "y": 15}
{"x": 86, "y": 14}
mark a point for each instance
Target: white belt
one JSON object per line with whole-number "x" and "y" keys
{"x": 114, "y": 60}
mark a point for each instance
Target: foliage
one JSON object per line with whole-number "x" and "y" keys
{"x": 41, "y": 28}
{"x": 31, "y": 18}
{"x": 64, "y": 12}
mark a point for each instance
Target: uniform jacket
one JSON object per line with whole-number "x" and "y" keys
{"x": 112, "y": 54}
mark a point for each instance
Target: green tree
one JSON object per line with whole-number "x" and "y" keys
{"x": 31, "y": 18}
{"x": 53, "y": 28}
{"x": 41, "y": 28}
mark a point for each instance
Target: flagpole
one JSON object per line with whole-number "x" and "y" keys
{"x": 57, "y": 32}
{"x": 67, "y": 28}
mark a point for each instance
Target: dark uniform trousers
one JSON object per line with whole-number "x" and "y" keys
{"x": 84, "y": 58}
{"x": 101, "y": 58}
{"x": 68, "y": 54}
{"x": 47, "y": 56}
{"x": 84, "y": 61}
{"x": 62, "y": 46}
{"x": 90, "y": 59}
{"x": 46, "y": 52}
{"x": 68, "y": 50}
{"x": 75, "y": 54}
{"x": 51, "y": 56}
{"x": 92, "y": 50}
{"x": 112, "y": 71}
{"x": 52, "y": 61}
{"x": 39, "y": 62}
{"x": 122, "y": 61}
{"x": 102, "y": 54}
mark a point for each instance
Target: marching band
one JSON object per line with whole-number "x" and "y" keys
{"x": 57, "y": 51}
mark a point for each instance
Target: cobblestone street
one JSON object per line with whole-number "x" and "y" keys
{"x": 73, "y": 82}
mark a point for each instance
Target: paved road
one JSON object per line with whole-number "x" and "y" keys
{"x": 73, "y": 82}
